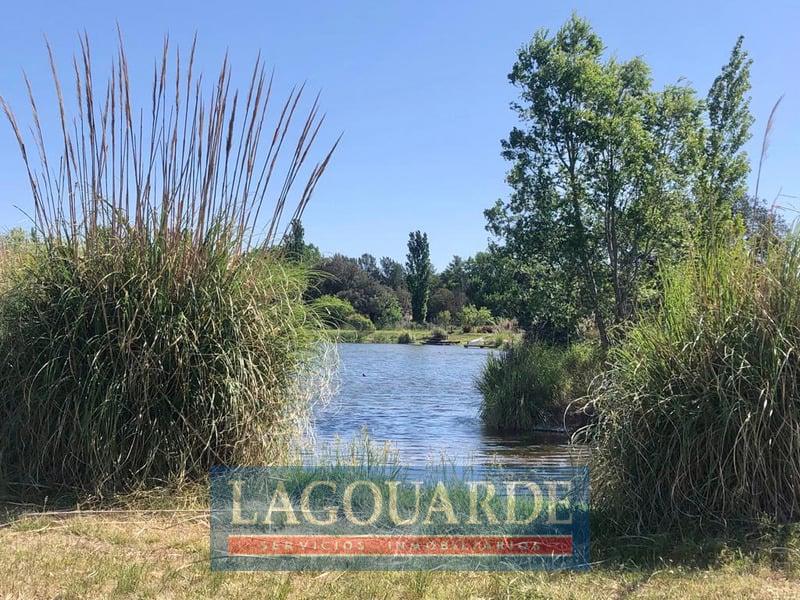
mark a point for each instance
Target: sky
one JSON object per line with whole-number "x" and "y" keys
{"x": 418, "y": 89}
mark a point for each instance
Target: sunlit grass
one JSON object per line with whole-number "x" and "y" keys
{"x": 699, "y": 416}
{"x": 152, "y": 329}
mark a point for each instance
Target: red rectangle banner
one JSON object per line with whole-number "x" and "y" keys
{"x": 399, "y": 545}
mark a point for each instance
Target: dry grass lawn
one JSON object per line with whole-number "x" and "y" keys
{"x": 166, "y": 555}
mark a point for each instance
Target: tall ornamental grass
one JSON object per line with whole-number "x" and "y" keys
{"x": 531, "y": 384}
{"x": 699, "y": 415}
{"x": 154, "y": 330}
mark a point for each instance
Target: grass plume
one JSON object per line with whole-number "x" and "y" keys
{"x": 155, "y": 330}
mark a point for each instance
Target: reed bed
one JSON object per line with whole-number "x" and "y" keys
{"x": 699, "y": 414}
{"x": 155, "y": 330}
{"x": 531, "y": 384}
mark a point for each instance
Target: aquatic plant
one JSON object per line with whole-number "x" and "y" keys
{"x": 405, "y": 338}
{"x": 530, "y": 384}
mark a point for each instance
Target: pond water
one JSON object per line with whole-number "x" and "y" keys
{"x": 424, "y": 401}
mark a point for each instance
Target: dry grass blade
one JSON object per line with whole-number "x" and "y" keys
{"x": 196, "y": 162}
{"x": 765, "y": 144}
{"x": 143, "y": 337}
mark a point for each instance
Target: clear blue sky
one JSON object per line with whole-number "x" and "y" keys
{"x": 419, "y": 89}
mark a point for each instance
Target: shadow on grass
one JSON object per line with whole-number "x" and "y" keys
{"x": 772, "y": 545}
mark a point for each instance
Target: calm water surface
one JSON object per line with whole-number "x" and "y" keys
{"x": 424, "y": 401}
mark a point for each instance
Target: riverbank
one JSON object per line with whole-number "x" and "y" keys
{"x": 425, "y": 336}
{"x": 129, "y": 554}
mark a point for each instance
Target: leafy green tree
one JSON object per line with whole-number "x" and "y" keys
{"x": 444, "y": 300}
{"x": 600, "y": 175}
{"x": 472, "y": 316}
{"x": 444, "y": 318}
{"x": 723, "y": 185}
{"x": 343, "y": 278}
{"x": 386, "y": 311}
{"x": 512, "y": 286}
{"x": 418, "y": 274}
{"x": 454, "y": 276}
{"x": 295, "y": 247}
{"x": 369, "y": 265}
{"x": 757, "y": 217}
{"x": 392, "y": 273}
{"x": 334, "y": 312}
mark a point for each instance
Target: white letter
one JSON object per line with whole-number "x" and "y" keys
{"x": 511, "y": 502}
{"x": 236, "y": 517}
{"x": 305, "y": 504}
{"x": 552, "y": 489}
{"x": 280, "y": 496}
{"x": 377, "y": 502}
{"x": 393, "y": 512}
{"x": 444, "y": 505}
{"x": 473, "y": 502}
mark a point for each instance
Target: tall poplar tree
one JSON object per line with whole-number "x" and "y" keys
{"x": 418, "y": 274}
{"x": 723, "y": 185}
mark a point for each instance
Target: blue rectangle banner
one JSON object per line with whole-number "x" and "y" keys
{"x": 399, "y": 518}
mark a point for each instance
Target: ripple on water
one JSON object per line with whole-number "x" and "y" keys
{"x": 423, "y": 400}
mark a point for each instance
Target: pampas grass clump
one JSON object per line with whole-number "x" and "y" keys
{"x": 699, "y": 414}
{"x": 152, "y": 332}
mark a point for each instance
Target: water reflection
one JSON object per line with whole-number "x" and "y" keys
{"x": 424, "y": 401}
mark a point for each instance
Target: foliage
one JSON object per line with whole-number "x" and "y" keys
{"x": 369, "y": 265}
{"x": 438, "y": 334}
{"x": 16, "y": 249}
{"x": 723, "y": 184}
{"x": 392, "y": 274}
{"x": 344, "y": 278}
{"x": 144, "y": 341}
{"x": 333, "y": 311}
{"x": 529, "y": 385}
{"x": 601, "y": 173}
{"x": 699, "y": 418}
{"x": 418, "y": 274}
{"x": 388, "y": 311}
{"x": 757, "y": 218}
{"x": 443, "y": 300}
{"x": 472, "y": 317}
{"x": 361, "y": 323}
{"x": 444, "y": 318}
{"x": 295, "y": 248}
{"x": 405, "y": 338}
{"x": 508, "y": 288}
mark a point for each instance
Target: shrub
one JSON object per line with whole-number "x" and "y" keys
{"x": 530, "y": 384}
{"x": 472, "y": 317}
{"x": 438, "y": 334}
{"x": 333, "y": 311}
{"x": 344, "y": 278}
{"x": 506, "y": 325}
{"x": 405, "y": 338}
{"x": 144, "y": 341}
{"x": 389, "y": 313}
{"x": 699, "y": 415}
{"x": 443, "y": 318}
{"x": 361, "y": 323}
